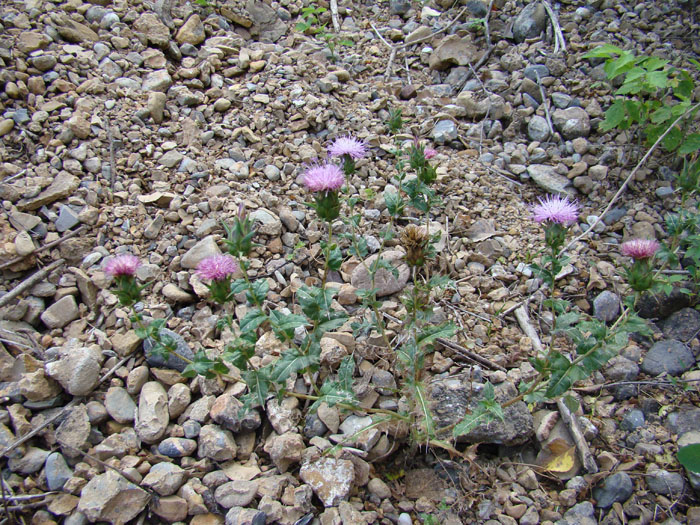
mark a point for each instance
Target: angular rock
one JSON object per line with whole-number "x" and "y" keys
{"x": 331, "y": 479}
{"x": 530, "y": 22}
{"x": 549, "y": 180}
{"x": 159, "y": 80}
{"x": 76, "y": 368}
{"x": 60, "y": 313}
{"x": 74, "y": 431}
{"x": 572, "y": 122}
{"x": 165, "y": 478}
{"x": 452, "y": 399}
{"x": 454, "y": 51}
{"x": 207, "y": 247}
{"x": 670, "y": 356}
{"x": 682, "y": 325}
{"x": 153, "y": 29}
{"x": 285, "y": 449}
{"x": 243, "y": 516}
{"x": 63, "y": 185}
{"x": 617, "y": 487}
{"x": 152, "y": 416}
{"x": 385, "y": 281}
{"x": 110, "y": 497}
{"x": 191, "y": 32}
{"x": 238, "y": 493}
{"x": 216, "y": 443}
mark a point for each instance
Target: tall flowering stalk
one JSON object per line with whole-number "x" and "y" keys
{"x": 641, "y": 274}
{"x": 349, "y": 149}
{"x": 556, "y": 214}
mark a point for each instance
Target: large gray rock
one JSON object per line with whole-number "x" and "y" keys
{"x": 331, "y": 479}
{"x": 384, "y": 281}
{"x": 165, "y": 478}
{"x": 538, "y": 129}
{"x": 207, "y": 247}
{"x": 451, "y": 399}
{"x": 670, "y": 356}
{"x": 119, "y": 405}
{"x": 159, "y": 80}
{"x": 682, "y": 325}
{"x": 152, "y": 418}
{"x": 454, "y": 51}
{"x": 153, "y": 30}
{"x": 110, "y": 497}
{"x": 616, "y": 488}
{"x": 60, "y": 313}
{"x": 76, "y": 368}
{"x": 530, "y": 22}
{"x": 549, "y": 180}
{"x": 572, "y": 122}
{"x": 73, "y": 433}
{"x": 57, "y": 471}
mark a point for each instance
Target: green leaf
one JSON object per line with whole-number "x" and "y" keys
{"x": 258, "y": 382}
{"x": 430, "y": 333}
{"x": 290, "y": 362}
{"x": 480, "y": 416}
{"x": 614, "y": 115}
{"x": 673, "y": 139}
{"x": 604, "y": 51}
{"x": 284, "y": 324}
{"x": 654, "y": 63}
{"x": 616, "y": 67}
{"x": 345, "y": 372}
{"x": 257, "y": 292}
{"x": 252, "y": 320}
{"x": 564, "y": 321}
{"x": 564, "y": 375}
{"x": 691, "y": 144}
{"x": 689, "y": 457}
{"x": 335, "y": 320}
{"x": 662, "y": 114}
{"x": 394, "y": 203}
{"x": 658, "y": 79}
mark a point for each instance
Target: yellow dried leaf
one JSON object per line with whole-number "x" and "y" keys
{"x": 562, "y": 456}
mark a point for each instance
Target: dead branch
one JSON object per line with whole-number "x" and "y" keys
{"x": 584, "y": 453}
{"x": 45, "y": 247}
{"x": 30, "y": 281}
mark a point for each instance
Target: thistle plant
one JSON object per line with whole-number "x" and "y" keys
{"x": 640, "y": 275}
{"x": 349, "y": 149}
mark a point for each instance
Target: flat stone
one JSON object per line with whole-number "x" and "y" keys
{"x": 57, "y": 471}
{"x": 152, "y": 418}
{"x": 29, "y": 41}
{"x": 60, "y": 313}
{"x": 76, "y": 368}
{"x": 670, "y": 356}
{"x": 331, "y": 479}
{"x": 384, "y": 281}
{"x": 110, "y": 497}
{"x": 236, "y": 493}
{"x": 153, "y": 29}
{"x": 268, "y": 223}
{"x": 63, "y": 185}
{"x": 454, "y": 51}
{"x": 207, "y": 247}
{"x": 549, "y": 180}
{"x": 119, "y": 405}
{"x": 165, "y": 478}
{"x": 450, "y": 399}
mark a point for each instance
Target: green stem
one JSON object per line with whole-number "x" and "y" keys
{"x": 328, "y": 247}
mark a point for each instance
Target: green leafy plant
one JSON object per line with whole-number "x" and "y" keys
{"x": 311, "y": 24}
{"x": 653, "y": 95}
{"x": 689, "y": 457}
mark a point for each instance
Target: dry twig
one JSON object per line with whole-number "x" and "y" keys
{"x": 559, "y": 42}
{"x": 529, "y": 330}
{"x": 45, "y": 247}
{"x": 30, "y": 281}
{"x": 584, "y": 453}
{"x": 334, "y": 15}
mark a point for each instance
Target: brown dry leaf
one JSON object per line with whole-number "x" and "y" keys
{"x": 562, "y": 456}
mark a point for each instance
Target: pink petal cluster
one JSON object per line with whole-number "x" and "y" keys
{"x": 217, "y": 267}
{"x": 326, "y": 177}
{"x": 429, "y": 153}
{"x": 122, "y": 265}
{"x": 351, "y": 146}
{"x": 640, "y": 248}
{"x": 555, "y": 209}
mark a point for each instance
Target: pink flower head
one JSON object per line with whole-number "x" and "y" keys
{"x": 429, "y": 153}
{"x": 640, "y": 248}
{"x": 555, "y": 209}
{"x": 122, "y": 265}
{"x": 351, "y": 146}
{"x": 217, "y": 267}
{"x": 327, "y": 177}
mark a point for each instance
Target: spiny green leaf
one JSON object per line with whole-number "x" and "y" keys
{"x": 290, "y": 362}
{"x": 430, "y": 333}
{"x": 691, "y": 144}
{"x": 251, "y": 320}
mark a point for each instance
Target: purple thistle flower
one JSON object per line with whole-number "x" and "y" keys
{"x": 354, "y": 148}
{"x": 640, "y": 248}
{"x": 217, "y": 267}
{"x": 429, "y": 153}
{"x": 122, "y": 265}
{"x": 327, "y": 177}
{"x": 555, "y": 209}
